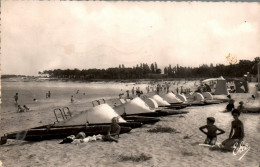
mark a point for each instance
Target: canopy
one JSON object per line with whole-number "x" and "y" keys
{"x": 160, "y": 101}
{"x": 213, "y": 79}
{"x": 134, "y": 106}
{"x": 171, "y": 98}
{"x": 97, "y": 115}
{"x": 151, "y": 103}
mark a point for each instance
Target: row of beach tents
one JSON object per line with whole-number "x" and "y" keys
{"x": 131, "y": 114}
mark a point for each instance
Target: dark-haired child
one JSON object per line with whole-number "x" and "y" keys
{"x": 211, "y": 131}
{"x": 230, "y": 107}
{"x": 237, "y": 131}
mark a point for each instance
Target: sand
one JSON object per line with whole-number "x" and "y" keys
{"x": 164, "y": 149}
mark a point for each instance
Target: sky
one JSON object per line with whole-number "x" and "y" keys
{"x": 47, "y": 35}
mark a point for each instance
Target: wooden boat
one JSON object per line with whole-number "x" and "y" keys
{"x": 144, "y": 120}
{"x": 58, "y": 132}
{"x": 130, "y": 123}
{"x": 171, "y": 111}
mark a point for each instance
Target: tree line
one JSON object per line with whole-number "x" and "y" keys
{"x": 140, "y": 71}
{"x": 231, "y": 70}
{"x": 152, "y": 71}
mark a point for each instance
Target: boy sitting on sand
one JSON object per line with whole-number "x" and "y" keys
{"x": 238, "y": 128}
{"x": 212, "y": 131}
{"x": 113, "y": 132}
{"x": 230, "y": 107}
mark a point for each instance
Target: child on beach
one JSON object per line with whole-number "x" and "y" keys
{"x": 241, "y": 108}
{"x": 212, "y": 131}
{"x": 230, "y": 107}
{"x": 20, "y": 109}
{"x": 16, "y": 98}
{"x": 236, "y": 133}
{"x": 71, "y": 99}
{"x": 25, "y": 107}
{"x": 113, "y": 132}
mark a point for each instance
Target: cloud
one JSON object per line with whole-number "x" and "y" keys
{"x": 38, "y": 36}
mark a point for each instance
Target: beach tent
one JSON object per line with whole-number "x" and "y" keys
{"x": 151, "y": 103}
{"x": 97, "y": 115}
{"x": 182, "y": 97}
{"x": 221, "y": 86}
{"x": 171, "y": 98}
{"x": 197, "y": 96}
{"x": 160, "y": 101}
{"x": 207, "y": 96}
{"x": 241, "y": 86}
{"x": 135, "y": 106}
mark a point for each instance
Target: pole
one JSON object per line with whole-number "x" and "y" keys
{"x": 258, "y": 75}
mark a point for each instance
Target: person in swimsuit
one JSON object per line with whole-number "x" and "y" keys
{"x": 113, "y": 131}
{"x": 20, "y": 109}
{"x": 241, "y": 108}
{"x": 16, "y": 98}
{"x": 230, "y": 107}
{"x": 212, "y": 131}
{"x": 236, "y": 133}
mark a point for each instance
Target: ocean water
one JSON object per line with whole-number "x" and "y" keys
{"x": 61, "y": 93}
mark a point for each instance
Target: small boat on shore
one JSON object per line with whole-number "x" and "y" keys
{"x": 49, "y": 132}
{"x": 101, "y": 114}
{"x": 163, "y": 110}
{"x": 142, "y": 119}
{"x": 139, "y": 108}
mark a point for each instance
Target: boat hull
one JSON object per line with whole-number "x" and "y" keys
{"x": 59, "y": 132}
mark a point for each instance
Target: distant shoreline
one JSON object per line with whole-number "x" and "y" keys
{"x": 22, "y": 78}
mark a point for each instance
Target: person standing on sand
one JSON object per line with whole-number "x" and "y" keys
{"x": 127, "y": 94}
{"x": 16, "y": 98}
{"x": 133, "y": 91}
{"x": 72, "y": 99}
{"x": 158, "y": 89}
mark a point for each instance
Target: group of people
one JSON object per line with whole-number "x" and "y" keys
{"x": 236, "y": 134}
{"x": 230, "y": 107}
{"x": 23, "y": 108}
{"x": 112, "y": 134}
{"x": 19, "y": 107}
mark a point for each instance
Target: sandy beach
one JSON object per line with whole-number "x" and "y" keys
{"x": 180, "y": 148}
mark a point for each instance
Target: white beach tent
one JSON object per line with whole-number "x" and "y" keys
{"x": 221, "y": 86}
{"x": 197, "y": 96}
{"x": 135, "y": 106}
{"x": 151, "y": 103}
{"x": 171, "y": 98}
{"x": 182, "y": 97}
{"x": 160, "y": 100}
{"x": 207, "y": 96}
{"x": 97, "y": 115}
